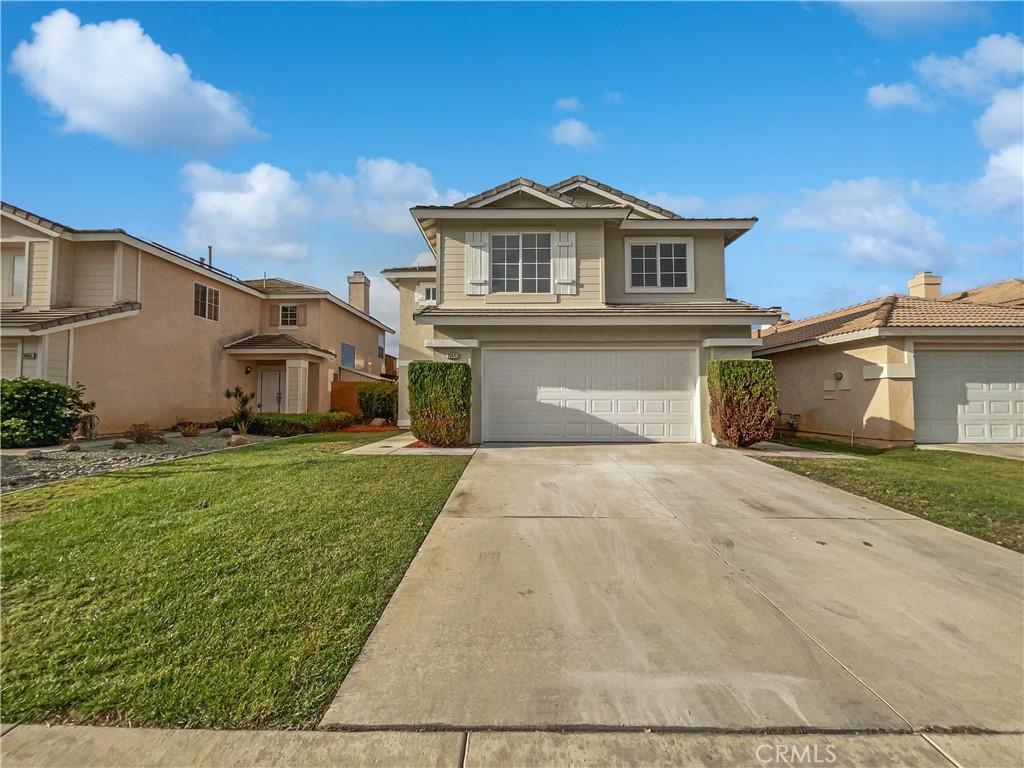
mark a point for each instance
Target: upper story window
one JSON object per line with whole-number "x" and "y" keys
{"x": 206, "y": 302}
{"x": 14, "y": 271}
{"x": 659, "y": 265}
{"x": 521, "y": 263}
{"x": 426, "y": 293}
{"x": 348, "y": 355}
{"x": 380, "y": 346}
{"x": 289, "y": 316}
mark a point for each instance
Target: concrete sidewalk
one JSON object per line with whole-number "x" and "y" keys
{"x": 39, "y": 746}
{"x": 399, "y": 446}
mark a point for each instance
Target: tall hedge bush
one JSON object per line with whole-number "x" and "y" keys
{"x": 378, "y": 400}
{"x": 39, "y": 412}
{"x": 744, "y": 399}
{"x": 440, "y": 399}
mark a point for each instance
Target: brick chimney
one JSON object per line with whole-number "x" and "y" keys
{"x": 359, "y": 291}
{"x": 925, "y": 285}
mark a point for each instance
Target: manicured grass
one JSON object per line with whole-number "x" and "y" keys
{"x": 978, "y": 495}
{"x": 232, "y": 590}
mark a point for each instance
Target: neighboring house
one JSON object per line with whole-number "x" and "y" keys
{"x": 897, "y": 370}
{"x": 587, "y": 314}
{"x": 156, "y": 336}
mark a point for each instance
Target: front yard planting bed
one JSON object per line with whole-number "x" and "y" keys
{"x": 977, "y": 495}
{"x": 232, "y": 590}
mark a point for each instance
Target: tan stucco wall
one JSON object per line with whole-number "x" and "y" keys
{"x": 164, "y": 364}
{"x": 452, "y": 264}
{"x": 708, "y": 268}
{"x": 873, "y": 411}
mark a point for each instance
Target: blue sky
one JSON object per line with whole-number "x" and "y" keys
{"x": 871, "y": 140}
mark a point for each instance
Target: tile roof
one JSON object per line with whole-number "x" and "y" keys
{"x": 50, "y": 224}
{"x": 893, "y": 311}
{"x": 579, "y": 179}
{"x": 687, "y": 309}
{"x": 412, "y": 268}
{"x": 521, "y": 181}
{"x": 1008, "y": 293}
{"x": 278, "y": 285}
{"x": 41, "y": 319}
{"x": 275, "y": 341}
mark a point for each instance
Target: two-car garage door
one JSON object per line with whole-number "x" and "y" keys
{"x": 969, "y": 396}
{"x": 590, "y": 395}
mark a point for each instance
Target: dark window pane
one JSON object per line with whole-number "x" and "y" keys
{"x": 529, "y": 241}
{"x": 544, "y": 241}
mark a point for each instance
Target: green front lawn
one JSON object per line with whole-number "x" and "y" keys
{"x": 978, "y": 495}
{"x": 232, "y": 590}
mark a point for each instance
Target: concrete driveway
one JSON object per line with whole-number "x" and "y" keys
{"x": 671, "y": 586}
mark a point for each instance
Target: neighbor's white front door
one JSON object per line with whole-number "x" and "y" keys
{"x": 590, "y": 395}
{"x": 271, "y": 394}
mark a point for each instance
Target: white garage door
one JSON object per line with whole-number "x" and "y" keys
{"x": 590, "y": 395}
{"x": 969, "y": 397}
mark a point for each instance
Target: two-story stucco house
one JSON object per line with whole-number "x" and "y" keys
{"x": 156, "y": 336}
{"x": 587, "y": 314}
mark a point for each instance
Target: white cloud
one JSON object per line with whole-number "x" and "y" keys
{"x": 575, "y": 134}
{"x": 113, "y": 80}
{"x": 568, "y": 103}
{"x": 384, "y": 306}
{"x": 993, "y": 61}
{"x": 893, "y": 19}
{"x": 257, "y": 213}
{"x": 908, "y": 95}
{"x": 612, "y": 97}
{"x": 878, "y": 226}
{"x": 378, "y": 196}
{"x": 1003, "y": 121}
{"x": 424, "y": 259}
{"x": 1002, "y": 185}
{"x": 684, "y": 205}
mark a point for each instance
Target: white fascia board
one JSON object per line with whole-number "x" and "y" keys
{"x": 451, "y": 343}
{"x": 584, "y": 321}
{"x": 960, "y": 331}
{"x": 32, "y": 225}
{"x": 521, "y": 188}
{"x": 741, "y": 342}
{"x": 518, "y": 213}
{"x": 398, "y": 274}
{"x": 612, "y": 198}
{"x": 664, "y": 224}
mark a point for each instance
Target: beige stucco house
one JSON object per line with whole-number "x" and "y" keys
{"x": 156, "y": 336}
{"x": 924, "y": 368}
{"x": 586, "y": 313}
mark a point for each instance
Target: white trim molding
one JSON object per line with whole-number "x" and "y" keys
{"x": 657, "y": 242}
{"x": 630, "y": 320}
{"x": 663, "y": 224}
{"x": 451, "y": 344}
{"x": 733, "y": 342}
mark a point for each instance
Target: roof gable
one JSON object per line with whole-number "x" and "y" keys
{"x": 517, "y": 187}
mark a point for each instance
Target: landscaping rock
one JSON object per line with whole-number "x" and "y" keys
{"x": 72, "y": 447}
{"x": 226, "y": 432}
{"x": 120, "y": 445}
{"x": 378, "y": 422}
{"x": 34, "y": 454}
{"x": 236, "y": 440}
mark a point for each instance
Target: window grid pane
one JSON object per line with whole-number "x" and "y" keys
{"x": 289, "y": 315}
{"x": 504, "y": 263}
{"x": 537, "y": 263}
{"x": 673, "y": 265}
{"x": 643, "y": 266}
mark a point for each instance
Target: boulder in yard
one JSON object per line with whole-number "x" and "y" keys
{"x": 72, "y": 447}
{"x": 34, "y": 454}
{"x": 236, "y": 440}
{"x": 119, "y": 445}
{"x": 226, "y": 432}
{"x": 378, "y": 422}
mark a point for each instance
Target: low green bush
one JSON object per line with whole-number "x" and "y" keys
{"x": 440, "y": 399}
{"x": 744, "y": 400}
{"x": 289, "y": 424}
{"x": 39, "y": 412}
{"x": 378, "y": 400}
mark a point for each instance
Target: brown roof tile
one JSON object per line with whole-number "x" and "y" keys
{"x": 262, "y": 341}
{"x": 40, "y": 319}
{"x": 1008, "y": 293}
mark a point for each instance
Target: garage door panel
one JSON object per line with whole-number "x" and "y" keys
{"x": 598, "y": 394}
{"x": 971, "y": 397}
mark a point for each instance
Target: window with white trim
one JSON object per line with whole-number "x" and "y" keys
{"x": 521, "y": 263}
{"x": 426, "y": 293}
{"x": 206, "y": 302}
{"x": 348, "y": 355}
{"x": 289, "y": 316}
{"x": 660, "y": 264}
{"x": 14, "y": 276}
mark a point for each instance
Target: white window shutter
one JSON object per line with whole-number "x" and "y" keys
{"x": 563, "y": 268}
{"x": 477, "y": 263}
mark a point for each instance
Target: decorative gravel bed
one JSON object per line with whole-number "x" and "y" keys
{"x": 18, "y": 472}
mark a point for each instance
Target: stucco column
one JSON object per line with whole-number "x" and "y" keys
{"x": 296, "y": 382}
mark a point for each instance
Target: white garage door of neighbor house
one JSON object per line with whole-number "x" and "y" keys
{"x": 592, "y": 395}
{"x": 969, "y": 396}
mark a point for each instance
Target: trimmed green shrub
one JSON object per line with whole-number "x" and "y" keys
{"x": 289, "y": 424}
{"x": 378, "y": 400}
{"x": 39, "y": 412}
{"x": 440, "y": 399}
{"x": 744, "y": 399}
